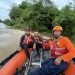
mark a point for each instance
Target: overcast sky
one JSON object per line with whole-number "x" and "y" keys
{"x": 5, "y": 6}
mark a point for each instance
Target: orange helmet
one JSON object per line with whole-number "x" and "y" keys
{"x": 36, "y": 34}
{"x": 57, "y": 28}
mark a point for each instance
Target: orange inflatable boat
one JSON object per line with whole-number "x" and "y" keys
{"x": 71, "y": 69}
{"x": 16, "y": 62}
{"x": 19, "y": 59}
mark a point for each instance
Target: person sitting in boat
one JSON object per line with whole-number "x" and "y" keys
{"x": 38, "y": 42}
{"x": 27, "y": 41}
{"x": 61, "y": 53}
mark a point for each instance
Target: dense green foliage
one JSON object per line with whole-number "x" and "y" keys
{"x": 42, "y": 15}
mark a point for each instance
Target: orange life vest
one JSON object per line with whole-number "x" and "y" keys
{"x": 46, "y": 45}
{"x": 55, "y": 50}
{"x": 27, "y": 40}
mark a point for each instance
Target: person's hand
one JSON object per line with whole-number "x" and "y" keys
{"x": 34, "y": 46}
{"x": 58, "y": 61}
{"x": 40, "y": 42}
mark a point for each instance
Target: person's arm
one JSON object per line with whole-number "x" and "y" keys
{"x": 33, "y": 38}
{"x": 40, "y": 40}
{"x": 69, "y": 46}
{"x": 34, "y": 46}
{"x": 21, "y": 40}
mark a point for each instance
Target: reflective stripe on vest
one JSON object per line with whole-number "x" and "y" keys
{"x": 60, "y": 51}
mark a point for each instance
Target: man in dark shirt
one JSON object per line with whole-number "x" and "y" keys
{"x": 27, "y": 41}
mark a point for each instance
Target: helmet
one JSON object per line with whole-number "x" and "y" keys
{"x": 57, "y": 28}
{"x": 28, "y": 29}
{"x": 36, "y": 34}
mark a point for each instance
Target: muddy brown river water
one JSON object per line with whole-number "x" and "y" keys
{"x": 9, "y": 41}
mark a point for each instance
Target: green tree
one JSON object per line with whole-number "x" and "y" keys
{"x": 66, "y": 20}
{"x": 15, "y": 12}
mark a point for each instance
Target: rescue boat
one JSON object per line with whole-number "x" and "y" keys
{"x": 20, "y": 65}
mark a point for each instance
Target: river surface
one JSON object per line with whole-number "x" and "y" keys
{"x": 9, "y": 40}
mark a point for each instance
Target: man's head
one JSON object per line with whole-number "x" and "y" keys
{"x": 57, "y": 31}
{"x": 36, "y": 34}
{"x": 28, "y": 31}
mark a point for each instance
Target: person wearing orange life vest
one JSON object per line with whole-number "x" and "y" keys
{"x": 61, "y": 52}
{"x": 38, "y": 42}
{"x": 27, "y": 41}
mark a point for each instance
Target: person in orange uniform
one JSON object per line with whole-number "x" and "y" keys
{"x": 61, "y": 52}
